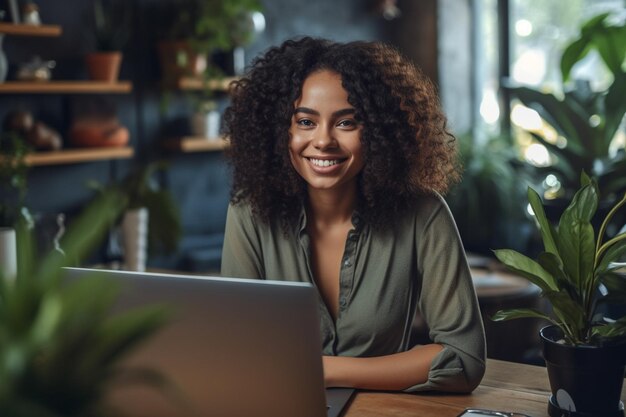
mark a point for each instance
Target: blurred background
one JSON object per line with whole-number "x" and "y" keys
{"x": 534, "y": 92}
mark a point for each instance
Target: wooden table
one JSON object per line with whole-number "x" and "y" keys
{"x": 507, "y": 386}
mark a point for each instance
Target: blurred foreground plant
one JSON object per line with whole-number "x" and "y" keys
{"x": 60, "y": 346}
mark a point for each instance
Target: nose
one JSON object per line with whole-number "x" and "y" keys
{"x": 324, "y": 138}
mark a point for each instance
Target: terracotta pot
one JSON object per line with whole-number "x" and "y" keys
{"x": 104, "y": 66}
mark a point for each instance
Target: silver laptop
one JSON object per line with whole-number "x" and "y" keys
{"x": 233, "y": 347}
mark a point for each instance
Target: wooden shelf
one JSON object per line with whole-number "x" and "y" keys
{"x": 194, "y": 84}
{"x": 65, "y": 87}
{"x": 189, "y": 144}
{"x": 30, "y": 30}
{"x": 73, "y": 156}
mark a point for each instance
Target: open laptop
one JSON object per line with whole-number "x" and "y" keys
{"x": 233, "y": 347}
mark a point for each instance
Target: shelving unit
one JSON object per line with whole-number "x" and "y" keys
{"x": 30, "y": 30}
{"x": 196, "y": 84}
{"x": 189, "y": 144}
{"x": 65, "y": 87}
{"x": 74, "y": 156}
{"x": 65, "y": 156}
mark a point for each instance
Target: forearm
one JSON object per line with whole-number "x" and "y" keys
{"x": 391, "y": 372}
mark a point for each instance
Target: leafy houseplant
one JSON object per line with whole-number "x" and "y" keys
{"x": 60, "y": 348}
{"x": 145, "y": 202}
{"x": 487, "y": 191}
{"x": 199, "y": 29}
{"x": 586, "y": 121}
{"x": 142, "y": 191}
{"x": 13, "y": 176}
{"x": 577, "y": 275}
{"x": 111, "y": 20}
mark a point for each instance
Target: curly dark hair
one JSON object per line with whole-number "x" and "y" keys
{"x": 407, "y": 149}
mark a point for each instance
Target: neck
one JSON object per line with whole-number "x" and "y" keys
{"x": 330, "y": 207}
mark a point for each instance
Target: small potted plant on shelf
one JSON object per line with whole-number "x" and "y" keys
{"x": 150, "y": 221}
{"x": 585, "y": 347}
{"x": 61, "y": 346}
{"x": 111, "y": 19}
{"x": 199, "y": 29}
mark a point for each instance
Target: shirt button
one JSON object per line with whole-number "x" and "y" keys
{"x": 346, "y": 262}
{"x": 342, "y": 301}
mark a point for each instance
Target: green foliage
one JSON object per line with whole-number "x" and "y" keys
{"x": 140, "y": 190}
{"x": 60, "y": 345}
{"x": 576, "y": 271}
{"x": 212, "y": 25}
{"x": 587, "y": 119}
{"x": 13, "y": 176}
{"x": 112, "y": 20}
{"x": 487, "y": 191}
{"x": 597, "y": 34}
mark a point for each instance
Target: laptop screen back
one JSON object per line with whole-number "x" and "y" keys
{"x": 232, "y": 347}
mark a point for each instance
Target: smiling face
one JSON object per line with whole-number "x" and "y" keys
{"x": 324, "y": 137}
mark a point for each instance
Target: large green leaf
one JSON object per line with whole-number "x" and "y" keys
{"x": 552, "y": 263}
{"x": 610, "y": 44}
{"x": 614, "y": 254}
{"x": 548, "y": 234}
{"x": 616, "y": 287}
{"x": 577, "y": 248}
{"x": 555, "y": 112}
{"x": 520, "y": 313}
{"x": 574, "y": 52}
{"x": 570, "y": 314}
{"x": 527, "y": 268}
{"x": 614, "y": 106}
{"x": 583, "y": 205}
{"x": 610, "y": 330}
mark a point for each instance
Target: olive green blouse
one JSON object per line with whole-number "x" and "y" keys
{"x": 418, "y": 263}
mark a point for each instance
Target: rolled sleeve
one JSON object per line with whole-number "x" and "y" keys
{"x": 449, "y": 306}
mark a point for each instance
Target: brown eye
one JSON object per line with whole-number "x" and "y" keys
{"x": 304, "y": 122}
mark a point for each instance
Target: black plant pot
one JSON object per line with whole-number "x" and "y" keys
{"x": 585, "y": 380}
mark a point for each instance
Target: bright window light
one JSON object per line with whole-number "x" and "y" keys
{"x": 523, "y": 28}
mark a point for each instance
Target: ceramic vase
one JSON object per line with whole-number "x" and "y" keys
{"x": 206, "y": 124}
{"x": 4, "y": 64}
{"x": 8, "y": 252}
{"x": 135, "y": 238}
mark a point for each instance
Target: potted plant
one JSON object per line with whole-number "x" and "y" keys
{"x": 585, "y": 121}
{"x": 584, "y": 348}
{"x": 13, "y": 177}
{"x": 60, "y": 345}
{"x": 199, "y": 29}
{"x": 111, "y": 19}
{"x": 150, "y": 221}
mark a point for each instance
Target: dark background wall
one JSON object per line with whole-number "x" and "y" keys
{"x": 198, "y": 181}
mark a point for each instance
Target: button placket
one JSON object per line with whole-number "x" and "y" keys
{"x": 346, "y": 275}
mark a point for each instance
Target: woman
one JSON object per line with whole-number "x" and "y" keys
{"x": 339, "y": 153}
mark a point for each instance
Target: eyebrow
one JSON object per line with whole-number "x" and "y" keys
{"x": 338, "y": 113}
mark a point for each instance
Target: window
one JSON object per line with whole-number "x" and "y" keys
{"x": 523, "y": 40}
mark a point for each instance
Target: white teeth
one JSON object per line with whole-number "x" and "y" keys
{"x": 324, "y": 162}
